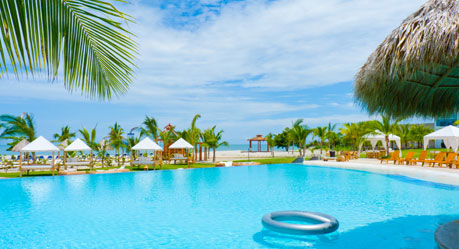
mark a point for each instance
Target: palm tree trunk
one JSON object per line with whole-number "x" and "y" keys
{"x": 387, "y": 145}
{"x": 214, "y": 158}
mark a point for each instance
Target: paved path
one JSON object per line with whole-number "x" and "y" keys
{"x": 438, "y": 175}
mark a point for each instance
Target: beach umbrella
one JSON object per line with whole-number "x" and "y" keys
{"x": 415, "y": 71}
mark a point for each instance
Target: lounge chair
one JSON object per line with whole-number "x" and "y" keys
{"x": 393, "y": 157}
{"x": 448, "y": 161}
{"x": 421, "y": 159}
{"x": 439, "y": 157}
{"x": 407, "y": 159}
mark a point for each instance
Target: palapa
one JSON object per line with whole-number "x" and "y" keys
{"x": 415, "y": 71}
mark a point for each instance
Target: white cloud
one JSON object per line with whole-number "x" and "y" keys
{"x": 230, "y": 66}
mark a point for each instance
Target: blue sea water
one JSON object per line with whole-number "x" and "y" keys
{"x": 221, "y": 208}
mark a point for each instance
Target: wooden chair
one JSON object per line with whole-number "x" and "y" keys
{"x": 393, "y": 157}
{"x": 448, "y": 161}
{"x": 421, "y": 159}
{"x": 409, "y": 156}
{"x": 438, "y": 158}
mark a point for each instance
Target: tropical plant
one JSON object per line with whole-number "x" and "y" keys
{"x": 89, "y": 138}
{"x": 321, "y": 133}
{"x": 300, "y": 133}
{"x": 116, "y": 139}
{"x": 405, "y": 134}
{"x": 270, "y": 139}
{"x": 282, "y": 139}
{"x": 386, "y": 126}
{"x": 84, "y": 38}
{"x": 213, "y": 140}
{"x": 418, "y": 132}
{"x": 193, "y": 133}
{"x": 17, "y": 128}
{"x": 167, "y": 136}
{"x": 150, "y": 128}
{"x": 64, "y": 135}
{"x": 331, "y": 135}
{"x": 131, "y": 142}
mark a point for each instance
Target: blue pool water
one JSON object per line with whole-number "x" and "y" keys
{"x": 221, "y": 208}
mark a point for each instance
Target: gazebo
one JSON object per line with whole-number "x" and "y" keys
{"x": 378, "y": 136}
{"x": 181, "y": 144}
{"x": 145, "y": 144}
{"x": 38, "y": 145}
{"x": 77, "y": 145}
{"x": 449, "y": 135}
{"x": 258, "y": 139}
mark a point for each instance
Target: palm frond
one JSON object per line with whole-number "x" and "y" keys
{"x": 87, "y": 37}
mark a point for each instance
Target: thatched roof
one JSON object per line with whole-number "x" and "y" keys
{"x": 18, "y": 147}
{"x": 257, "y": 138}
{"x": 415, "y": 71}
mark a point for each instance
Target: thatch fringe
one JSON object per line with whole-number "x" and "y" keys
{"x": 401, "y": 76}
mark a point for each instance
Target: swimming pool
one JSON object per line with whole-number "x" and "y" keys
{"x": 221, "y": 208}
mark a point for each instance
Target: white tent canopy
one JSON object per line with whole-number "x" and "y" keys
{"x": 375, "y": 138}
{"x": 181, "y": 144}
{"x": 449, "y": 135}
{"x": 40, "y": 144}
{"x": 147, "y": 144}
{"x": 77, "y": 145}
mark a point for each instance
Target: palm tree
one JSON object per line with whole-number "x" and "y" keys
{"x": 349, "y": 131}
{"x": 300, "y": 133}
{"x": 89, "y": 138}
{"x": 418, "y": 132}
{"x": 213, "y": 140}
{"x": 64, "y": 135}
{"x": 321, "y": 133}
{"x": 167, "y": 136}
{"x": 131, "y": 142}
{"x": 116, "y": 139}
{"x": 387, "y": 126}
{"x": 17, "y": 128}
{"x": 193, "y": 134}
{"x": 150, "y": 128}
{"x": 331, "y": 135}
{"x": 405, "y": 134}
{"x": 85, "y": 38}
{"x": 271, "y": 142}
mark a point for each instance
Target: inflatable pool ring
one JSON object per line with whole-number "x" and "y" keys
{"x": 321, "y": 223}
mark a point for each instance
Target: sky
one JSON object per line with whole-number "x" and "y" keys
{"x": 249, "y": 67}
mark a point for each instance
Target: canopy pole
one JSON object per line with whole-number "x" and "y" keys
{"x": 65, "y": 160}
{"x": 53, "y": 163}
{"x": 20, "y": 164}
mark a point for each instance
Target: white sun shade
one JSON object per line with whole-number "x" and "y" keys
{"x": 77, "y": 145}
{"x": 147, "y": 144}
{"x": 181, "y": 144}
{"x": 40, "y": 144}
{"x": 449, "y": 135}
